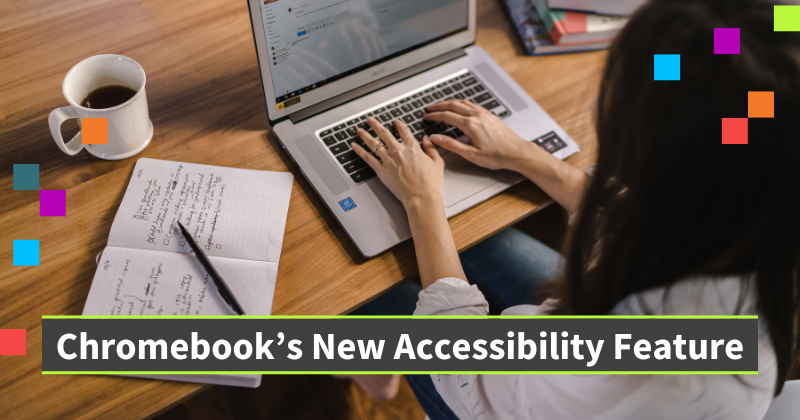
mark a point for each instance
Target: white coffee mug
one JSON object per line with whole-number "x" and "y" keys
{"x": 129, "y": 126}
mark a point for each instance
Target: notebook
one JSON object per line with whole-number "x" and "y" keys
{"x": 535, "y": 35}
{"x": 237, "y": 215}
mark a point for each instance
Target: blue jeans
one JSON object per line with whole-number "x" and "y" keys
{"x": 509, "y": 268}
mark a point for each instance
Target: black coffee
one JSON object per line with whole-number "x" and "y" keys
{"x": 107, "y": 96}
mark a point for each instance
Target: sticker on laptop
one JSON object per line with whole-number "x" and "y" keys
{"x": 347, "y": 204}
{"x": 288, "y": 103}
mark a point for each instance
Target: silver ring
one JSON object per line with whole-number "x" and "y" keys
{"x": 378, "y": 146}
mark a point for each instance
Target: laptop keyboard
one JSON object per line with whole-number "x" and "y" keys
{"x": 410, "y": 109}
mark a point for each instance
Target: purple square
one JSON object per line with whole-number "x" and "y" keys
{"x": 52, "y": 202}
{"x": 726, "y": 40}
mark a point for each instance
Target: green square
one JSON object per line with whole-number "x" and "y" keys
{"x": 787, "y": 18}
{"x": 26, "y": 177}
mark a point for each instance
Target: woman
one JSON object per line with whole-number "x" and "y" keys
{"x": 671, "y": 222}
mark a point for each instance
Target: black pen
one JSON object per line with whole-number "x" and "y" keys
{"x": 222, "y": 287}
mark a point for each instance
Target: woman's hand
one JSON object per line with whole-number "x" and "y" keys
{"x": 494, "y": 145}
{"x": 412, "y": 173}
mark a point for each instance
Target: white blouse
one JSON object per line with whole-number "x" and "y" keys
{"x": 611, "y": 397}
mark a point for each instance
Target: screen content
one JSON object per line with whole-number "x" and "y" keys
{"x": 311, "y": 43}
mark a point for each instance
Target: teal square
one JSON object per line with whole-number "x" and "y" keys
{"x": 667, "y": 67}
{"x": 26, "y": 252}
{"x": 26, "y": 177}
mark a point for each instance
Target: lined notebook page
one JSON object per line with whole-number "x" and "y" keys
{"x": 234, "y": 213}
{"x": 144, "y": 282}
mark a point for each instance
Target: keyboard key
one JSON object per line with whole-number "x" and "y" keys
{"x": 389, "y": 126}
{"x": 386, "y": 117}
{"x": 407, "y": 108}
{"x": 482, "y": 97}
{"x": 457, "y": 86}
{"x": 392, "y": 105}
{"x": 470, "y": 81}
{"x": 351, "y": 131}
{"x": 339, "y": 148}
{"x": 364, "y": 117}
{"x": 408, "y": 118}
{"x": 458, "y": 96}
{"x": 418, "y": 126}
{"x": 441, "y": 128}
{"x": 341, "y": 135}
{"x": 353, "y": 121}
{"x": 362, "y": 175}
{"x": 447, "y": 91}
{"x": 478, "y": 88}
{"x": 441, "y": 85}
{"x": 329, "y": 141}
{"x": 418, "y": 114}
{"x": 457, "y": 133}
{"x": 469, "y": 92}
{"x": 491, "y": 105}
{"x": 339, "y": 127}
{"x": 397, "y": 112}
{"x": 502, "y": 114}
{"x": 467, "y": 74}
{"x": 347, "y": 157}
{"x": 437, "y": 95}
{"x": 417, "y": 103}
{"x": 417, "y": 95}
{"x": 326, "y": 133}
{"x": 355, "y": 165}
{"x": 430, "y": 89}
{"x": 427, "y": 99}
{"x": 404, "y": 100}
{"x": 431, "y": 131}
{"x": 419, "y": 136}
{"x": 453, "y": 80}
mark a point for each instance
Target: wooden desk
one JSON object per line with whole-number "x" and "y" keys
{"x": 207, "y": 107}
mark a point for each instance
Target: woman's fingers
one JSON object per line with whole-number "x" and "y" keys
{"x": 448, "y": 117}
{"x": 404, "y": 131}
{"x": 458, "y": 107}
{"x": 372, "y": 161}
{"x": 453, "y": 145}
{"x": 384, "y": 134}
{"x": 430, "y": 149}
{"x": 371, "y": 142}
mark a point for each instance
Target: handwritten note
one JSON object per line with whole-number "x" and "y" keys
{"x": 235, "y": 213}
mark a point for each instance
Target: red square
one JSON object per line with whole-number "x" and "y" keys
{"x": 734, "y": 131}
{"x": 12, "y": 342}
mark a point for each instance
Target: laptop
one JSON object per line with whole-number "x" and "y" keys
{"x": 326, "y": 65}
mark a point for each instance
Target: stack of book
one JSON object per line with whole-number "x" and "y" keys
{"x": 565, "y": 26}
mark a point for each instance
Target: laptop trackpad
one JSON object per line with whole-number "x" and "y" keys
{"x": 462, "y": 179}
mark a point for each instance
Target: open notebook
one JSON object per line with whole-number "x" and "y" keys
{"x": 147, "y": 268}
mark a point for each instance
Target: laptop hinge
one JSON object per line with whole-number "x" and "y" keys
{"x": 373, "y": 86}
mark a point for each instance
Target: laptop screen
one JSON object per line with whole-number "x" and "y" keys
{"x": 313, "y": 43}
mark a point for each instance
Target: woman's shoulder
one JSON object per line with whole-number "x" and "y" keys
{"x": 699, "y": 295}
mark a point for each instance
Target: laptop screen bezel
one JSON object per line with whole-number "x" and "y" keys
{"x": 352, "y": 81}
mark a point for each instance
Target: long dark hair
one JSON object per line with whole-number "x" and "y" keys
{"x": 668, "y": 200}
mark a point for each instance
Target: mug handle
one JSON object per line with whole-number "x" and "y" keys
{"x": 57, "y": 117}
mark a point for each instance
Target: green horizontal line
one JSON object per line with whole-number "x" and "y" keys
{"x": 396, "y": 372}
{"x": 401, "y": 317}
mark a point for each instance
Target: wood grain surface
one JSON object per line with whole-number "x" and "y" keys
{"x": 207, "y": 107}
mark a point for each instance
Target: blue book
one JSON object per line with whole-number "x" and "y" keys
{"x": 534, "y": 33}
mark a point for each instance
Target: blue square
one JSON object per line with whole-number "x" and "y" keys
{"x": 667, "y": 67}
{"x": 26, "y": 252}
{"x": 348, "y": 204}
{"x": 26, "y": 177}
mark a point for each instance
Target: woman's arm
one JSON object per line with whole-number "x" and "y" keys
{"x": 495, "y": 146}
{"x": 415, "y": 175}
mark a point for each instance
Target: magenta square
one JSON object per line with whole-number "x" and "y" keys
{"x": 726, "y": 40}
{"x": 52, "y": 202}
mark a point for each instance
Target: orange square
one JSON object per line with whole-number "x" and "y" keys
{"x": 94, "y": 130}
{"x": 760, "y": 104}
